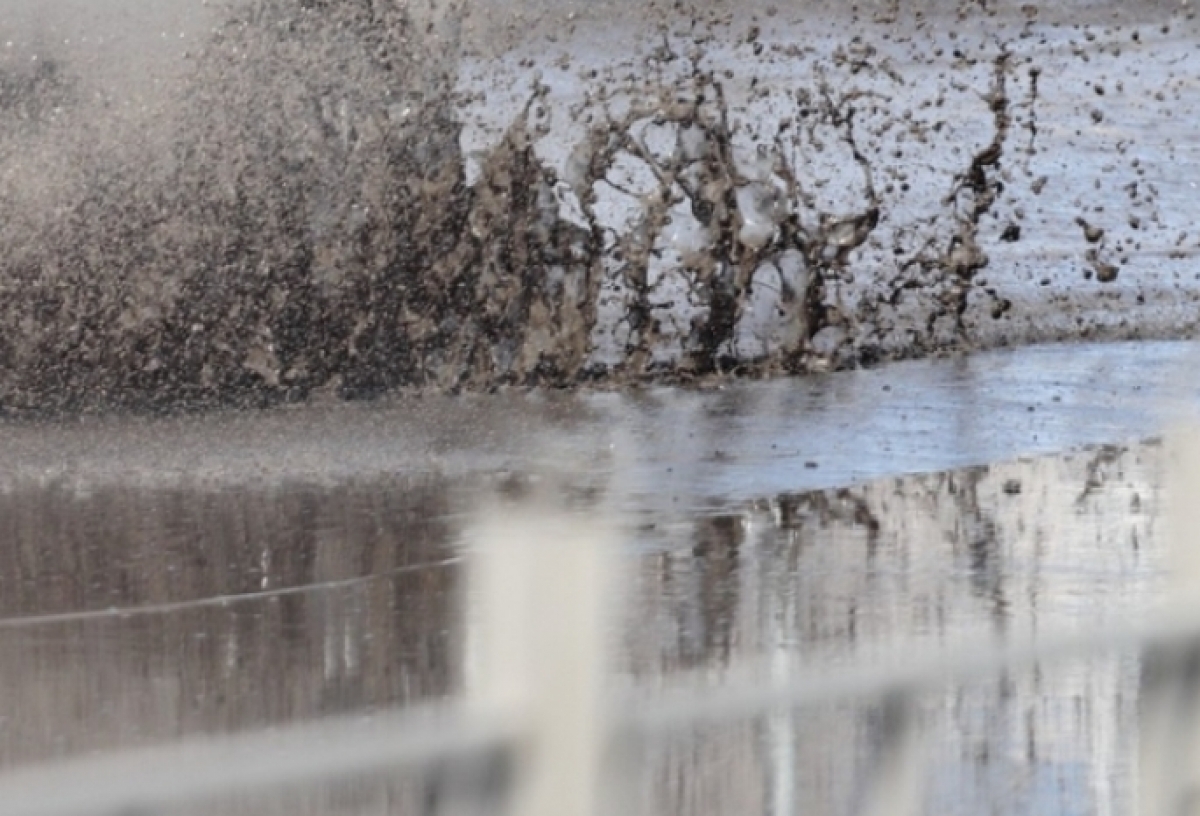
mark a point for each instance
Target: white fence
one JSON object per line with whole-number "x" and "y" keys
{"x": 540, "y": 714}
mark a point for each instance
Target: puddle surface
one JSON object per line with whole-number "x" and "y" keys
{"x": 163, "y": 578}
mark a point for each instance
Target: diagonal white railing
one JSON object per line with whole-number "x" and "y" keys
{"x": 144, "y": 780}
{"x": 535, "y": 699}
{"x": 196, "y": 770}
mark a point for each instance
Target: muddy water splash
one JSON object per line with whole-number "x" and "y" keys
{"x": 283, "y": 239}
{"x": 311, "y": 208}
{"x": 306, "y": 226}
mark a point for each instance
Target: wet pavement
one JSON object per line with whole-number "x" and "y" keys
{"x": 172, "y": 577}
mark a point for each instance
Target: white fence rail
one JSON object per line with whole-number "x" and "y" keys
{"x": 537, "y": 704}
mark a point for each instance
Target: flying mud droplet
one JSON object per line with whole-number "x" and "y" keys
{"x": 1105, "y": 272}
{"x": 1092, "y": 234}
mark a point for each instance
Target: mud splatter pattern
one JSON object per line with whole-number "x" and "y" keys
{"x": 332, "y": 200}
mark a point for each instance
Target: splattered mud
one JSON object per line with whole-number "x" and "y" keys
{"x": 277, "y": 199}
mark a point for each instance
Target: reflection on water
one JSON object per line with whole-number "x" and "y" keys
{"x": 137, "y": 614}
{"x": 1019, "y": 547}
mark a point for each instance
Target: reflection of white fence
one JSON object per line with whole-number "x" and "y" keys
{"x": 537, "y": 719}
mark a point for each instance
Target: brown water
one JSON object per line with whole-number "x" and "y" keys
{"x": 146, "y": 593}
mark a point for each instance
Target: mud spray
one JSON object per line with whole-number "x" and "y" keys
{"x": 335, "y": 198}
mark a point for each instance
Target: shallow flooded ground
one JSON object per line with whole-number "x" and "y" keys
{"x": 164, "y": 578}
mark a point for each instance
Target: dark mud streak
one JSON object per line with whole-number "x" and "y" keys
{"x": 964, "y": 257}
{"x": 828, "y": 250}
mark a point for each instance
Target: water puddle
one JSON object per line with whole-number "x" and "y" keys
{"x": 655, "y": 451}
{"x": 163, "y": 578}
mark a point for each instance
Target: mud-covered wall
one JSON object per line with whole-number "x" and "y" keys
{"x": 312, "y": 196}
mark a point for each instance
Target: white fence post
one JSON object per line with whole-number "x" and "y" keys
{"x": 1169, "y": 749}
{"x": 540, "y": 586}
{"x": 898, "y": 785}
